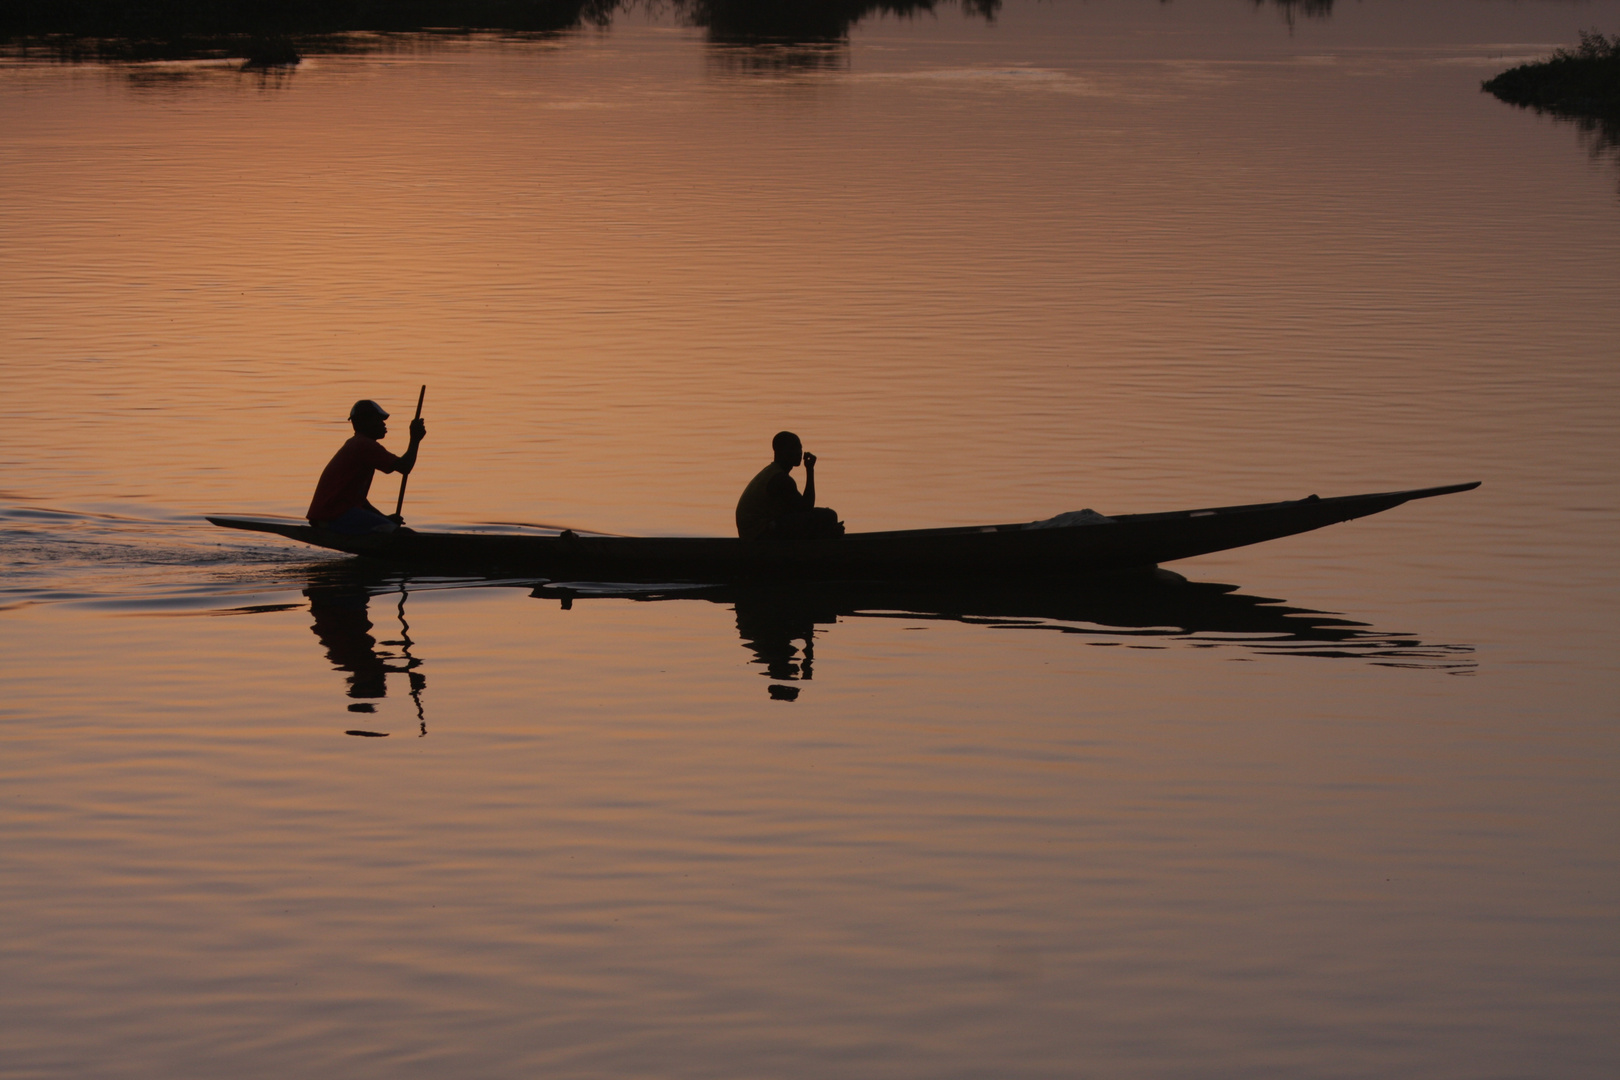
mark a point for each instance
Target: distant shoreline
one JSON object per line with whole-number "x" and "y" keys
{"x": 1582, "y": 84}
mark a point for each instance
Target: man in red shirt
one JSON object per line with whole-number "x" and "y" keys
{"x": 340, "y": 502}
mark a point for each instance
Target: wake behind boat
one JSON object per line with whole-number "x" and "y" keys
{"x": 1091, "y": 546}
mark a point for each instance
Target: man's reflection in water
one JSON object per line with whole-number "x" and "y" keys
{"x": 778, "y": 622}
{"x": 772, "y": 626}
{"x": 342, "y": 621}
{"x": 1149, "y": 613}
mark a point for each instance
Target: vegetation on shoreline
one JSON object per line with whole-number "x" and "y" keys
{"x": 1582, "y": 84}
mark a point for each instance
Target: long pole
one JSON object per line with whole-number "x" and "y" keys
{"x": 405, "y": 479}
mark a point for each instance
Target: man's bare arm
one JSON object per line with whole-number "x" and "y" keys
{"x": 407, "y": 460}
{"x": 809, "y": 481}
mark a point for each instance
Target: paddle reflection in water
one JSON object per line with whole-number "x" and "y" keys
{"x": 778, "y": 623}
{"x": 341, "y": 620}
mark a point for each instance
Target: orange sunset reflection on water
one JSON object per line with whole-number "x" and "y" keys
{"x": 1343, "y": 804}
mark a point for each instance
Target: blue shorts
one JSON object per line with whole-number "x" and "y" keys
{"x": 358, "y": 520}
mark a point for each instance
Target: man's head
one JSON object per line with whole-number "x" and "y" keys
{"x": 369, "y": 419}
{"x": 788, "y": 449}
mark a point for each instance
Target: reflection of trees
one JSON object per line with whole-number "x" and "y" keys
{"x": 180, "y": 18}
{"x": 1293, "y": 10}
{"x": 273, "y": 31}
{"x": 808, "y": 20}
{"x": 1600, "y": 135}
{"x": 774, "y": 58}
{"x": 1310, "y": 9}
{"x": 267, "y": 29}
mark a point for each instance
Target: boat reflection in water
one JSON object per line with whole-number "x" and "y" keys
{"x": 779, "y": 623}
{"x": 340, "y": 613}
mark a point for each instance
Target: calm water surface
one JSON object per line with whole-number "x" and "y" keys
{"x": 1355, "y": 818}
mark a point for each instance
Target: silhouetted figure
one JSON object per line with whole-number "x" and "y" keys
{"x": 772, "y": 508}
{"x": 341, "y": 497}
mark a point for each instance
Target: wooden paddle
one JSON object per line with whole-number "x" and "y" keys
{"x": 406, "y": 478}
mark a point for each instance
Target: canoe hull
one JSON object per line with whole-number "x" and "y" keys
{"x": 1127, "y": 543}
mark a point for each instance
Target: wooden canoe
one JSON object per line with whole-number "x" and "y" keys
{"x": 1126, "y": 542}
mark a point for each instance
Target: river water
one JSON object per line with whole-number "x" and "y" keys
{"x": 1355, "y": 817}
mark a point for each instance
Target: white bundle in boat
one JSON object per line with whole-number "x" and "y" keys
{"x": 1073, "y": 517}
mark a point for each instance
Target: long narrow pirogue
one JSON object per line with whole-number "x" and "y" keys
{"x": 1101, "y": 546}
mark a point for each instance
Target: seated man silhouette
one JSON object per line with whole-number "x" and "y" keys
{"x": 340, "y": 503}
{"x": 771, "y": 507}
